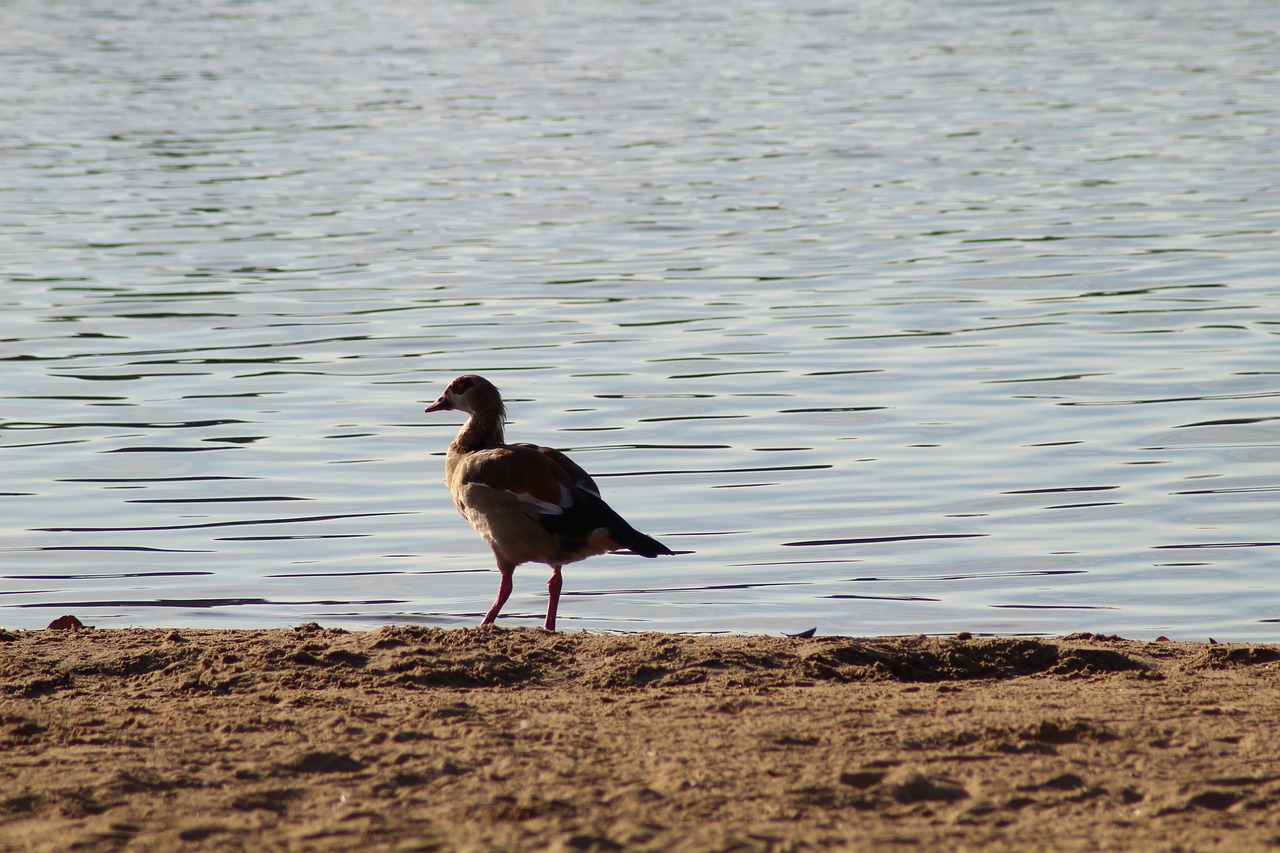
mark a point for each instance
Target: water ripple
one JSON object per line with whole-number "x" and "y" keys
{"x": 207, "y": 524}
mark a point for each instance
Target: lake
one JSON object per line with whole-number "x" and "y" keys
{"x": 891, "y": 317}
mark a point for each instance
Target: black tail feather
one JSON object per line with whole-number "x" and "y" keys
{"x": 589, "y": 512}
{"x": 637, "y": 542}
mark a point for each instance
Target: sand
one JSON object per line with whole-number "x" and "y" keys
{"x": 495, "y": 739}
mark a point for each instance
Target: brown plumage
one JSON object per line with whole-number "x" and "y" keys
{"x": 529, "y": 503}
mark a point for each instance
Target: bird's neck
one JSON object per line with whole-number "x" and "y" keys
{"x": 482, "y": 429}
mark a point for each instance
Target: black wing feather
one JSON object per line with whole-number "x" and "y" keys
{"x": 589, "y": 513}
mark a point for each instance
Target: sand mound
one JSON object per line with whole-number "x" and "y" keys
{"x": 319, "y": 738}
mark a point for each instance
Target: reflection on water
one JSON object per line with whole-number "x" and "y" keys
{"x": 973, "y": 327}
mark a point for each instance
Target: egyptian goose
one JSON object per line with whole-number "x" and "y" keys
{"x": 530, "y": 503}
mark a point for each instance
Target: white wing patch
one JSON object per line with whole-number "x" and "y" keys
{"x": 545, "y": 507}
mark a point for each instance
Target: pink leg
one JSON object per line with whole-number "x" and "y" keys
{"x": 553, "y": 590}
{"x": 504, "y": 592}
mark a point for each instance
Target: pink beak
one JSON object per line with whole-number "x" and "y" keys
{"x": 440, "y": 405}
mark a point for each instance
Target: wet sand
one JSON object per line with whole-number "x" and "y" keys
{"x": 423, "y": 739}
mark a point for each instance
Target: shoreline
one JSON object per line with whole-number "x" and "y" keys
{"x": 480, "y": 739}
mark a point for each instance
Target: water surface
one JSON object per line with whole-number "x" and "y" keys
{"x": 898, "y": 317}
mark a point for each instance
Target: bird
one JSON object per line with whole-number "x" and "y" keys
{"x": 529, "y": 503}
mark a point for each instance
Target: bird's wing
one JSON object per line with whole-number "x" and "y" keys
{"x": 587, "y": 511}
{"x": 523, "y": 472}
{"x": 563, "y": 497}
{"x": 577, "y": 476}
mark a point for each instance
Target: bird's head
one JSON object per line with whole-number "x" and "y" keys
{"x": 470, "y": 394}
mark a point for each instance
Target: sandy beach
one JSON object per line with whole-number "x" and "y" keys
{"x": 423, "y": 739}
